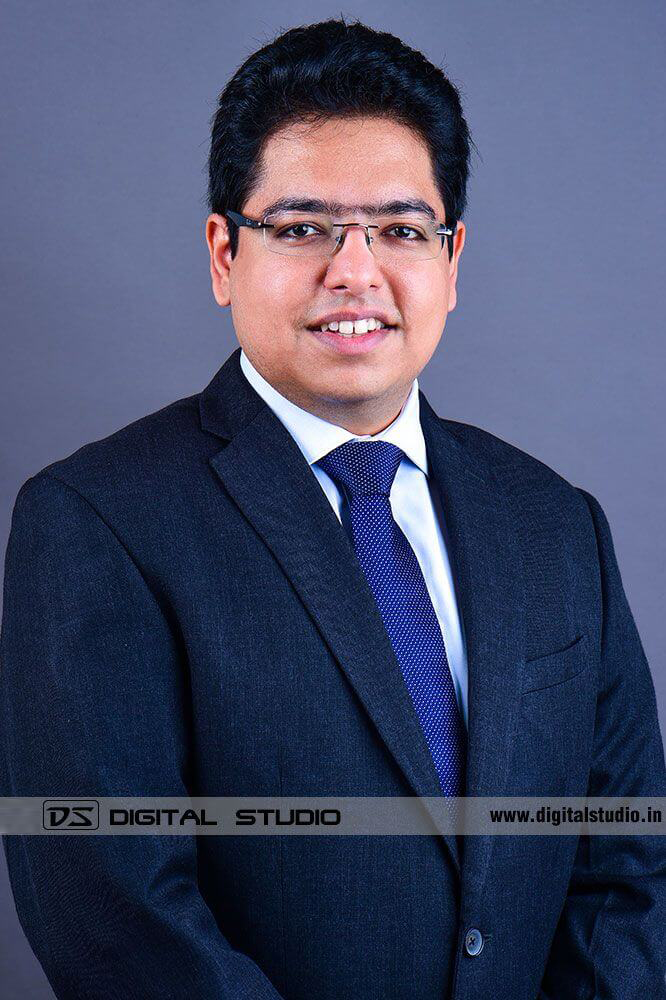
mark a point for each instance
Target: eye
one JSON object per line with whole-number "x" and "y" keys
{"x": 299, "y": 231}
{"x": 405, "y": 233}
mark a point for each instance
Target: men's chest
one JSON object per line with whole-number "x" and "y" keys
{"x": 293, "y": 685}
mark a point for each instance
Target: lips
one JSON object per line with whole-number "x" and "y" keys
{"x": 352, "y": 344}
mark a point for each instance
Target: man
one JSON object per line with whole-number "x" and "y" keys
{"x": 302, "y": 581}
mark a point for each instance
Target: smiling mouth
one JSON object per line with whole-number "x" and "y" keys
{"x": 349, "y": 328}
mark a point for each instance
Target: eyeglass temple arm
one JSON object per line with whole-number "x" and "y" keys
{"x": 243, "y": 220}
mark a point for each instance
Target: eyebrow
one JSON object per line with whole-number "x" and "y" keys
{"x": 400, "y": 206}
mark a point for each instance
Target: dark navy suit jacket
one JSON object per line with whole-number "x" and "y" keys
{"x": 184, "y": 614}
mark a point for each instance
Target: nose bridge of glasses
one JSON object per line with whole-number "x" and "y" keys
{"x": 346, "y": 226}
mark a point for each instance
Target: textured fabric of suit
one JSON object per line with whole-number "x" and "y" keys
{"x": 185, "y": 614}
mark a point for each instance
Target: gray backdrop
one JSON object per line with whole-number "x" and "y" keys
{"x": 556, "y": 344}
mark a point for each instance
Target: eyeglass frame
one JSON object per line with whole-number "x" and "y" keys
{"x": 244, "y": 220}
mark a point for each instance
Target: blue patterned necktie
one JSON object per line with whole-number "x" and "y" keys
{"x": 365, "y": 471}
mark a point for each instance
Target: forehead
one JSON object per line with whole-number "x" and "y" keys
{"x": 347, "y": 160}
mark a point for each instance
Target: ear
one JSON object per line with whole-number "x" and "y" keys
{"x": 217, "y": 238}
{"x": 458, "y": 244}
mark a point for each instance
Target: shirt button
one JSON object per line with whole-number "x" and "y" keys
{"x": 473, "y": 941}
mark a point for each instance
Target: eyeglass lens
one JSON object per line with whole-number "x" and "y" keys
{"x": 300, "y": 235}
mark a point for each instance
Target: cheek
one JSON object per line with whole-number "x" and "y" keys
{"x": 263, "y": 289}
{"x": 280, "y": 291}
{"x": 424, "y": 300}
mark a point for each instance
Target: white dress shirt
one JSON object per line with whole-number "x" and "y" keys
{"x": 414, "y": 501}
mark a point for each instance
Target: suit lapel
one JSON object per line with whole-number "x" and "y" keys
{"x": 266, "y": 475}
{"x": 486, "y": 564}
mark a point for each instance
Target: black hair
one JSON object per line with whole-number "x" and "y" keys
{"x": 327, "y": 70}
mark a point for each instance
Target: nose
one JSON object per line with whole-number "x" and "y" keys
{"x": 353, "y": 268}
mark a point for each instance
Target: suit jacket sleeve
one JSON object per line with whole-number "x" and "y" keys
{"x": 611, "y": 937}
{"x": 94, "y": 698}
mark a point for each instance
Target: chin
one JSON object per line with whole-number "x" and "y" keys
{"x": 352, "y": 394}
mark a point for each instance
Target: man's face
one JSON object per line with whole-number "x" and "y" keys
{"x": 277, "y": 301}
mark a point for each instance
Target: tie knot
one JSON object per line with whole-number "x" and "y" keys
{"x": 363, "y": 467}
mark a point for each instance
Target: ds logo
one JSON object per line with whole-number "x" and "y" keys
{"x": 70, "y": 814}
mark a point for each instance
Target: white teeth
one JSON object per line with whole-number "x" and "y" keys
{"x": 347, "y": 328}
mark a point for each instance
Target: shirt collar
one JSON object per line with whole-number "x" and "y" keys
{"x": 316, "y": 436}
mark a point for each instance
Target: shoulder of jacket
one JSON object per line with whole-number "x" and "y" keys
{"x": 153, "y": 448}
{"x": 519, "y": 471}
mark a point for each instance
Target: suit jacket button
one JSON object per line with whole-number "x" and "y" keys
{"x": 473, "y": 942}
